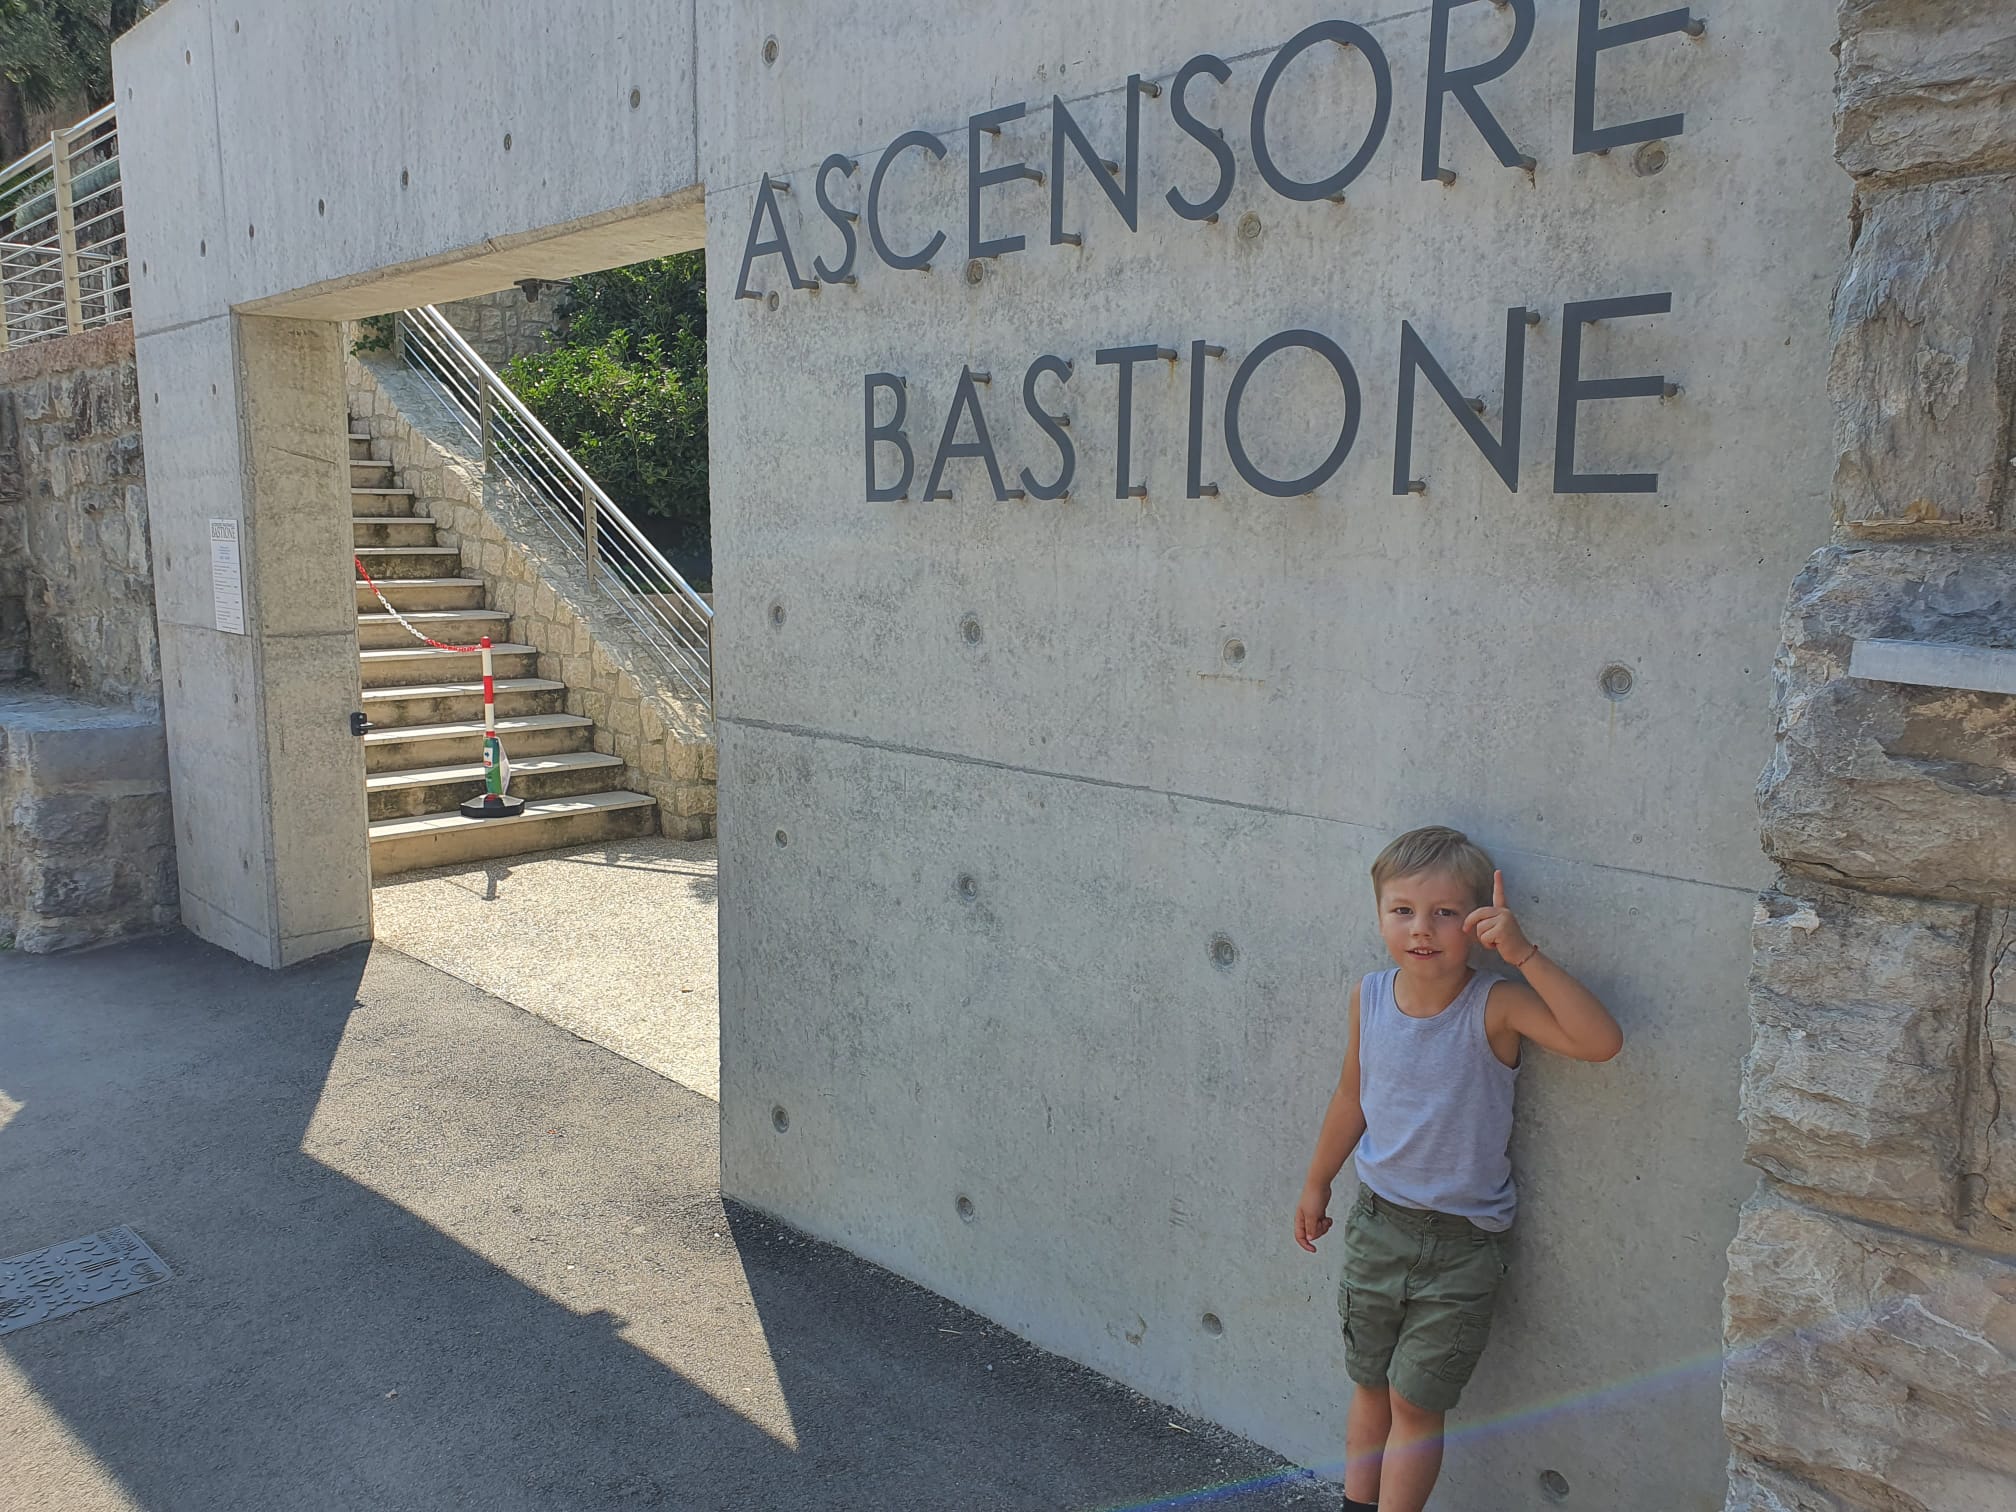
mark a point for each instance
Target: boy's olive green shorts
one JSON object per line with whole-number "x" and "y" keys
{"x": 1416, "y": 1299}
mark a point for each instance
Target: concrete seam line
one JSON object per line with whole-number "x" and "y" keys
{"x": 808, "y": 733}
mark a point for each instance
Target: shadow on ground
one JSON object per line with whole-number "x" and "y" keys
{"x": 433, "y": 1252}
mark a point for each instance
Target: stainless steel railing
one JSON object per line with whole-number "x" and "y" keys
{"x": 63, "y": 265}
{"x": 623, "y": 571}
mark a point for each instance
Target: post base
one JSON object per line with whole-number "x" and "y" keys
{"x": 492, "y": 806}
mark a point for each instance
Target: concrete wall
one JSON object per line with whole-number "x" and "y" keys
{"x": 1040, "y": 895}
{"x": 995, "y": 781}
{"x": 419, "y": 168}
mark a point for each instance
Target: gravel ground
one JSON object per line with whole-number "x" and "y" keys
{"x": 614, "y": 942}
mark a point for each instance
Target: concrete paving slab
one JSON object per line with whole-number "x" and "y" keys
{"x": 614, "y": 941}
{"x": 432, "y": 1252}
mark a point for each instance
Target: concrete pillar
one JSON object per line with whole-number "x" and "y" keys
{"x": 270, "y": 822}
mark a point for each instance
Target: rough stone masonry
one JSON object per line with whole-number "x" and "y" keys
{"x": 1871, "y": 1309}
{"x": 87, "y": 847}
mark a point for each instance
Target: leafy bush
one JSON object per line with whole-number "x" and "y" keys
{"x": 624, "y": 389}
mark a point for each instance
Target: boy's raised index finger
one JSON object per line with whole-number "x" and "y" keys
{"x": 1497, "y": 889}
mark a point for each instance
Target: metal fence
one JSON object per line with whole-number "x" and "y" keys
{"x": 623, "y": 571}
{"x": 63, "y": 262}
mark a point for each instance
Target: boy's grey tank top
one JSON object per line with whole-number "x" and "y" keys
{"x": 1438, "y": 1106}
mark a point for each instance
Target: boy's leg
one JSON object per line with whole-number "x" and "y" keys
{"x": 1413, "y": 1457}
{"x": 1372, "y": 1310}
{"x": 1365, "y": 1434}
{"x": 1447, "y": 1323}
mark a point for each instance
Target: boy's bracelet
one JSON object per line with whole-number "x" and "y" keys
{"x": 1522, "y": 965}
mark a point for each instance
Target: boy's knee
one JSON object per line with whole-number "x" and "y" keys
{"x": 1411, "y": 1413}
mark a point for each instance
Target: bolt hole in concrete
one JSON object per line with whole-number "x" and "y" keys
{"x": 1235, "y": 652}
{"x": 965, "y": 1207}
{"x": 783, "y": 839}
{"x": 321, "y": 207}
{"x": 969, "y": 628}
{"x": 203, "y": 249}
{"x": 771, "y": 300}
{"x": 1212, "y": 1326}
{"x": 1223, "y": 953}
{"x": 779, "y": 1119}
{"x": 636, "y": 98}
{"x": 1554, "y": 1485}
{"x": 968, "y": 888}
{"x": 777, "y": 614}
{"x": 1249, "y": 227}
{"x": 975, "y": 271}
{"x": 1617, "y": 681}
{"x": 1649, "y": 159}
{"x": 769, "y": 50}
{"x": 507, "y": 141}
{"x": 404, "y": 178}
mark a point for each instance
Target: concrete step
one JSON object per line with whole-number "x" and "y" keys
{"x": 360, "y": 447}
{"x": 432, "y": 790}
{"x": 447, "y": 839}
{"x": 458, "y": 627}
{"x": 367, "y": 473}
{"x": 405, "y": 666}
{"x": 451, "y": 702}
{"x": 391, "y": 563}
{"x": 403, "y": 750}
{"x": 380, "y": 530}
{"x": 424, "y": 594}
{"x": 365, "y": 504}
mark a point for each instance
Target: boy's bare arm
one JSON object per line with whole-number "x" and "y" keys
{"x": 1343, "y": 1127}
{"x": 1553, "y": 1010}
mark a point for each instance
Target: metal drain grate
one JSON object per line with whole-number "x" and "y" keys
{"x": 69, "y": 1277}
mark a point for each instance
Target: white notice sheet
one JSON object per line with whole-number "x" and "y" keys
{"x": 227, "y": 589}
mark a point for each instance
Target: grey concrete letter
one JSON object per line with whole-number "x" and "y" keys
{"x": 1463, "y": 82}
{"x": 890, "y": 431}
{"x": 922, "y": 259}
{"x": 1592, "y": 40}
{"x": 1502, "y": 451}
{"x": 1577, "y": 391}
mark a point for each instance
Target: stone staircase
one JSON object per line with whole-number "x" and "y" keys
{"x": 424, "y": 752}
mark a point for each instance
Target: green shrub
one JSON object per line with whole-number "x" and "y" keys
{"x": 624, "y": 388}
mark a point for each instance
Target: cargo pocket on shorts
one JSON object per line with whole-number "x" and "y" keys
{"x": 1469, "y": 1333}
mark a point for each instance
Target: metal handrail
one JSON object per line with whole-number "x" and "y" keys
{"x": 62, "y": 271}
{"x": 622, "y": 569}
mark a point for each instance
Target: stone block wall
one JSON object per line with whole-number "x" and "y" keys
{"x": 87, "y": 836}
{"x": 664, "y": 736}
{"x": 1871, "y": 1305}
{"x": 506, "y": 324}
{"x": 76, "y": 580}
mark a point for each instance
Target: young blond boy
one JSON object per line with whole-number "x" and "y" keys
{"x": 1425, "y": 1102}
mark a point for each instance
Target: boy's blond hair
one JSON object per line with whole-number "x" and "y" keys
{"x": 1435, "y": 848}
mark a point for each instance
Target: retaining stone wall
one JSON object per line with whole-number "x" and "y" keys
{"x": 87, "y": 837}
{"x": 506, "y": 324}
{"x": 1871, "y": 1305}
{"x": 76, "y": 579}
{"x": 664, "y": 736}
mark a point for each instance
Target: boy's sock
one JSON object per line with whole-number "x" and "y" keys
{"x": 1351, "y": 1506}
